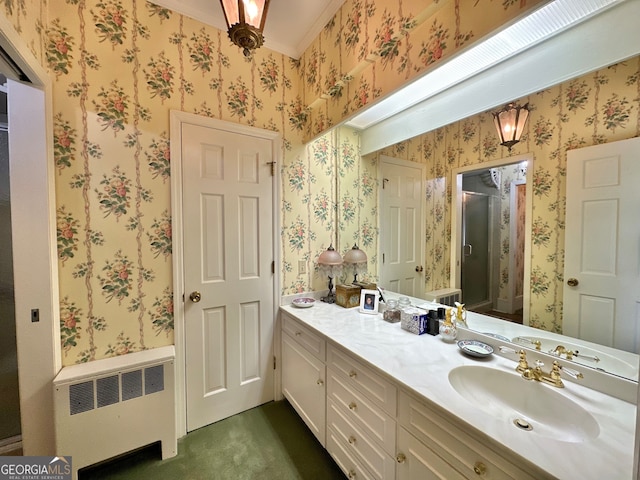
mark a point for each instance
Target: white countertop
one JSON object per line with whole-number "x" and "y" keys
{"x": 421, "y": 363}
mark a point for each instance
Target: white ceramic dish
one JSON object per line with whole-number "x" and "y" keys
{"x": 303, "y": 302}
{"x": 475, "y": 348}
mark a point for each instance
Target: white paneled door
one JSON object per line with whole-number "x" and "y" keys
{"x": 602, "y": 245}
{"x": 402, "y": 234}
{"x": 228, "y": 253}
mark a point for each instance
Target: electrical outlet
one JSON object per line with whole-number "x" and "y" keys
{"x": 302, "y": 267}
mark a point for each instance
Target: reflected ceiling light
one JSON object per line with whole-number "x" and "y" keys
{"x": 510, "y": 122}
{"x": 543, "y": 23}
{"x": 245, "y": 22}
{"x": 330, "y": 263}
{"x": 357, "y": 259}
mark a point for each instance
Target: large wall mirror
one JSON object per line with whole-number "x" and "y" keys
{"x": 596, "y": 106}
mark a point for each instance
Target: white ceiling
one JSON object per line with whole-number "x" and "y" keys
{"x": 290, "y": 27}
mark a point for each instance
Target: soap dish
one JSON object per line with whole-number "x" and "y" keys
{"x": 475, "y": 348}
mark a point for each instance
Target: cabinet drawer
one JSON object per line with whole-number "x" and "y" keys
{"x": 311, "y": 341}
{"x": 358, "y": 409}
{"x": 462, "y": 451}
{"x": 345, "y": 459}
{"x": 372, "y": 384}
{"x": 368, "y": 452}
{"x": 416, "y": 461}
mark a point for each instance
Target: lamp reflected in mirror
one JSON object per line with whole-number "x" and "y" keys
{"x": 355, "y": 260}
{"x": 510, "y": 122}
{"x": 330, "y": 263}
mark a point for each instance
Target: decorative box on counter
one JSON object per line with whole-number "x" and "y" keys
{"x": 348, "y": 296}
{"x": 365, "y": 285}
{"x": 413, "y": 320}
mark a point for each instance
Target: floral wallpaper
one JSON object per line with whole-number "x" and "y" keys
{"x": 600, "y": 107}
{"x": 118, "y": 68}
{"x": 372, "y": 47}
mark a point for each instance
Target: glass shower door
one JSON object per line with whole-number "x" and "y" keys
{"x": 475, "y": 278}
{"x": 9, "y": 397}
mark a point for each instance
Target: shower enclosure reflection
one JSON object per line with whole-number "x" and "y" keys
{"x": 492, "y": 248}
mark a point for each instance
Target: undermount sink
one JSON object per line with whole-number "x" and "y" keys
{"x": 606, "y": 362}
{"x": 531, "y": 406}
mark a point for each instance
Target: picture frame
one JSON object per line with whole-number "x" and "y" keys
{"x": 369, "y": 300}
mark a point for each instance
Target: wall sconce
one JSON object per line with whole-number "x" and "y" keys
{"x": 357, "y": 259}
{"x": 330, "y": 263}
{"x": 510, "y": 123}
{"x": 245, "y": 22}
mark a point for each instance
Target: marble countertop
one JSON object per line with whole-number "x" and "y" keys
{"x": 421, "y": 364}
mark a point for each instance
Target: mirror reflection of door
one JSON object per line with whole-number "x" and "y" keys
{"x": 493, "y": 217}
{"x": 402, "y": 233}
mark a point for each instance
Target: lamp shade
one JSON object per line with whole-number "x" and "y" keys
{"x": 245, "y": 22}
{"x": 355, "y": 256}
{"x": 510, "y": 122}
{"x": 329, "y": 258}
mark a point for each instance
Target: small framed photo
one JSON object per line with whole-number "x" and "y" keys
{"x": 369, "y": 301}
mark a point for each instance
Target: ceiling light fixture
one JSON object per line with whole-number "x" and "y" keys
{"x": 510, "y": 122}
{"x": 245, "y": 22}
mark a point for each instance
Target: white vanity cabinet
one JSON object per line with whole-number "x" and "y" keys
{"x": 304, "y": 374}
{"x": 431, "y": 446}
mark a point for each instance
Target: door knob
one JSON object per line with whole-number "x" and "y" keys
{"x": 195, "y": 296}
{"x": 419, "y": 268}
{"x": 573, "y": 282}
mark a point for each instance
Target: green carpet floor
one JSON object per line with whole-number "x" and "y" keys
{"x": 267, "y": 442}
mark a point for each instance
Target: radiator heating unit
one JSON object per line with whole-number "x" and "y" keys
{"x": 109, "y": 407}
{"x": 445, "y": 296}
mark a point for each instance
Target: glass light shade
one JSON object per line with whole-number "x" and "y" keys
{"x": 245, "y": 22}
{"x": 357, "y": 259}
{"x": 510, "y": 122}
{"x": 329, "y": 258}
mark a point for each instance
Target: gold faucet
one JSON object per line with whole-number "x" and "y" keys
{"x": 536, "y": 373}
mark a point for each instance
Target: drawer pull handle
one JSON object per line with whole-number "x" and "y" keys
{"x": 480, "y": 468}
{"x": 352, "y": 406}
{"x": 352, "y": 440}
{"x": 400, "y": 458}
{"x": 353, "y": 374}
{"x": 352, "y": 474}
{"x": 320, "y": 382}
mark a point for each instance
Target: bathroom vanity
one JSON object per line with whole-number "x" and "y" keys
{"x": 388, "y": 404}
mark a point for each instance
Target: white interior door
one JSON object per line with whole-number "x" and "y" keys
{"x": 402, "y": 234}
{"x": 602, "y": 263}
{"x": 228, "y": 254}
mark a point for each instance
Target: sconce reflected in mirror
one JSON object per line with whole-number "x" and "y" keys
{"x": 357, "y": 260}
{"x": 510, "y": 122}
{"x": 330, "y": 263}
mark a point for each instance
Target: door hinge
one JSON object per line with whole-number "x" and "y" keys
{"x": 183, "y": 298}
{"x": 383, "y": 258}
{"x": 273, "y": 168}
{"x": 273, "y": 267}
{"x": 274, "y": 362}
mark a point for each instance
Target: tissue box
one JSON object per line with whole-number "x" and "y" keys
{"x": 365, "y": 285}
{"x": 414, "y": 320}
{"x": 348, "y": 296}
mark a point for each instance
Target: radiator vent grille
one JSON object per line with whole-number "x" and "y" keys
{"x": 107, "y": 391}
{"x": 81, "y": 397}
{"x": 110, "y": 390}
{"x": 446, "y": 296}
{"x": 131, "y": 385}
{"x": 153, "y": 379}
